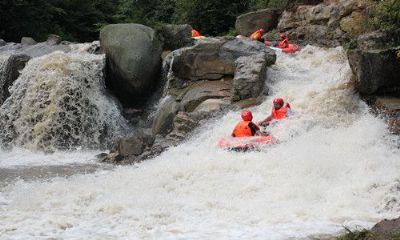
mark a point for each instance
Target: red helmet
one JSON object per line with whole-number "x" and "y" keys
{"x": 247, "y": 115}
{"x": 283, "y": 36}
{"x": 261, "y": 30}
{"x": 278, "y": 101}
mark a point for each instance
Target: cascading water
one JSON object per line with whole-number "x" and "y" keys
{"x": 336, "y": 164}
{"x": 59, "y": 102}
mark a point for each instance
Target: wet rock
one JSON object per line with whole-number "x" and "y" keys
{"x": 376, "y": 71}
{"x": 163, "y": 121}
{"x": 10, "y": 67}
{"x": 133, "y": 60}
{"x": 176, "y": 36}
{"x": 250, "y": 22}
{"x": 250, "y": 77}
{"x": 386, "y": 230}
{"x": 389, "y": 107}
{"x": 53, "y": 39}
{"x": 28, "y": 41}
{"x": 2, "y": 43}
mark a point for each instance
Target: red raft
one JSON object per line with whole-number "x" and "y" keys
{"x": 246, "y": 143}
{"x": 292, "y": 48}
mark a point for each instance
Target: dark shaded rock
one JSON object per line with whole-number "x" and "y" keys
{"x": 133, "y": 60}
{"x": 250, "y": 22}
{"x": 176, "y": 36}
{"x": 376, "y": 71}
{"x": 28, "y": 41}
{"x": 2, "y": 43}
{"x": 250, "y": 77}
{"x": 163, "y": 121}
{"x": 10, "y": 67}
{"x": 389, "y": 107}
{"x": 53, "y": 39}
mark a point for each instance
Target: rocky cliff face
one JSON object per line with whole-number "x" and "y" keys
{"x": 330, "y": 23}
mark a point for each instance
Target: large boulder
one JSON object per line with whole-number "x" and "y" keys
{"x": 354, "y": 24}
{"x": 386, "y": 230}
{"x": 250, "y": 77}
{"x": 252, "y": 21}
{"x": 215, "y": 58}
{"x": 10, "y": 67}
{"x": 133, "y": 60}
{"x": 176, "y": 36}
{"x": 376, "y": 71}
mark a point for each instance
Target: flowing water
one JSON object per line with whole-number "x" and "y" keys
{"x": 336, "y": 165}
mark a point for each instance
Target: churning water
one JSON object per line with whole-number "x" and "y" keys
{"x": 336, "y": 165}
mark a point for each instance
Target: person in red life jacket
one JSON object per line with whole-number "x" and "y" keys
{"x": 280, "y": 110}
{"x": 257, "y": 35}
{"x": 246, "y": 128}
{"x": 284, "y": 42}
{"x": 195, "y": 33}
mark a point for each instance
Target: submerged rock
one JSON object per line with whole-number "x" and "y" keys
{"x": 133, "y": 60}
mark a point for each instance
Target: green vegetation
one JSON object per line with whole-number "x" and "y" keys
{"x": 81, "y": 20}
{"x": 356, "y": 235}
{"x": 388, "y": 15}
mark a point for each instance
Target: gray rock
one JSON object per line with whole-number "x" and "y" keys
{"x": 163, "y": 121}
{"x": 252, "y": 21}
{"x": 378, "y": 40}
{"x": 10, "y": 67}
{"x": 133, "y": 60}
{"x": 201, "y": 91}
{"x": 215, "y": 58}
{"x": 386, "y": 230}
{"x": 212, "y": 105}
{"x": 133, "y": 145}
{"x": 376, "y": 71}
{"x": 2, "y": 43}
{"x": 53, "y": 39}
{"x": 28, "y": 41}
{"x": 176, "y": 36}
{"x": 250, "y": 77}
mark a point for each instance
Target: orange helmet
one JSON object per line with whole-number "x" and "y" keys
{"x": 247, "y": 115}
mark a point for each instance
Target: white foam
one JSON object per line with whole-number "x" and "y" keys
{"x": 336, "y": 165}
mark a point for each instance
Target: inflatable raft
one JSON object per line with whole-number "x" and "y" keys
{"x": 292, "y": 48}
{"x": 246, "y": 143}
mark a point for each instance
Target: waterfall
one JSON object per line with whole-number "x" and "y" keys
{"x": 336, "y": 165}
{"x": 59, "y": 102}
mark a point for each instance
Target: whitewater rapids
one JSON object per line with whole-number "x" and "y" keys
{"x": 336, "y": 165}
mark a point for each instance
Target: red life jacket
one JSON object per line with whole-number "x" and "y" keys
{"x": 284, "y": 43}
{"x": 242, "y": 129}
{"x": 281, "y": 113}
